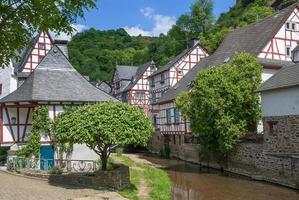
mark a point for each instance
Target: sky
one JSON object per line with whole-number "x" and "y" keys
{"x": 145, "y": 17}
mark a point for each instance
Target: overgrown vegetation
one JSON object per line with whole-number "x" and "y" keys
{"x": 223, "y": 105}
{"x": 156, "y": 179}
{"x": 100, "y": 126}
{"x": 41, "y": 125}
{"x": 3, "y": 154}
{"x": 95, "y": 53}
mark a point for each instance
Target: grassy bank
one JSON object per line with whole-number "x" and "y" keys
{"x": 147, "y": 182}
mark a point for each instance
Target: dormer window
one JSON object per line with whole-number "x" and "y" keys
{"x": 41, "y": 46}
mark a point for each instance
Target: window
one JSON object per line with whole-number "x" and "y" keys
{"x": 168, "y": 116}
{"x": 152, "y": 82}
{"x": 162, "y": 78}
{"x": 139, "y": 95}
{"x": 176, "y": 116}
{"x": 291, "y": 26}
{"x": 288, "y": 51}
{"x": 41, "y": 45}
{"x": 124, "y": 97}
{"x": 154, "y": 98}
{"x": 180, "y": 72}
{"x": 0, "y": 88}
{"x": 154, "y": 120}
{"x": 273, "y": 127}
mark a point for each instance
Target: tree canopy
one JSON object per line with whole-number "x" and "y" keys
{"x": 20, "y": 19}
{"x": 95, "y": 53}
{"x": 222, "y": 105}
{"x": 100, "y": 126}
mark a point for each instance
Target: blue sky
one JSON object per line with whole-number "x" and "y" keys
{"x": 146, "y": 17}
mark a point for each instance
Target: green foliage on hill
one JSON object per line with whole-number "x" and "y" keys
{"x": 95, "y": 53}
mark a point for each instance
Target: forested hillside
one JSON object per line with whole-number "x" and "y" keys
{"x": 95, "y": 53}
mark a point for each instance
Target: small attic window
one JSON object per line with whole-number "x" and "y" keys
{"x": 41, "y": 45}
{"x": 291, "y": 26}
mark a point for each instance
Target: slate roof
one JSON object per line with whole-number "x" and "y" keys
{"x": 125, "y": 72}
{"x": 172, "y": 62}
{"x": 140, "y": 71}
{"x": 102, "y": 85}
{"x": 55, "y": 79}
{"x": 286, "y": 77}
{"x": 251, "y": 38}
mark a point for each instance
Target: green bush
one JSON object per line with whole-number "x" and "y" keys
{"x": 3, "y": 154}
{"x": 119, "y": 151}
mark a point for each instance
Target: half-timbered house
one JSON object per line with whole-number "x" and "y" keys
{"x": 134, "y": 86}
{"x": 167, "y": 76}
{"x": 53, "y": 83}
{"x": 12, "y": 76}
{"x": 271, "y": 40}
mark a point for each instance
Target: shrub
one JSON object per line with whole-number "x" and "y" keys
{"x": 119, "y": 151}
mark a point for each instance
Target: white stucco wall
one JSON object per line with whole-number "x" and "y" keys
{"x": 280, "y": 102}
{"x": 82, "y": 152}
{"x": 9, "y": 83}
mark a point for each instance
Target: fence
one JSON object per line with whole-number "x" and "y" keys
{"x": 16, "y": 163}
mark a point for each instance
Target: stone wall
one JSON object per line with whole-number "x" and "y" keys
{"x": 274, "y": 159}
{"x": 116, "y": 179}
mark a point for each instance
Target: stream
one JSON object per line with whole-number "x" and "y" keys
{"x": 190, "y": 182}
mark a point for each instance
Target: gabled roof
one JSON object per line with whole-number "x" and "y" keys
{"x": 55, "y": 79}
{"x": 286, "y": 77}
{"x": 140, "y": 71}
{"x": 125, "y": 72}
{"x": 251, "y": 38}
{"x": 24, "y": 54}
{"x": 173, "y": 61}
{"x": 102, "y": 85}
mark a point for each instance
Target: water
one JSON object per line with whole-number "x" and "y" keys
{"x": 192, "y": 183}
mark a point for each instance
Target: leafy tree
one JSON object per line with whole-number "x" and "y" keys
{"x": 100, "y": 126}
{"x": 202, "y": 16}
{"x": 223, "y": 104}
{"x": 20, "y": 19}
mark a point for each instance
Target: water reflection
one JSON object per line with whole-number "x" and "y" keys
{"x": 190, "y": 182}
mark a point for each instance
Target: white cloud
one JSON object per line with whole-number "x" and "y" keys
{"x": 136, "y": 30}
{"x": 162, "y": 23}
{"x": 64, "y": 36}
{"x": 147, "y": 12}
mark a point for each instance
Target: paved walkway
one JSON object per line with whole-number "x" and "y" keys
{"x": 15, "y": 187}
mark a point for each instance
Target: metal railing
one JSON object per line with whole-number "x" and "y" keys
{"x": 15, "y": 163}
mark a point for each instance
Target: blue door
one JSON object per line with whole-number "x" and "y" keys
{"x": 46, "y": 157}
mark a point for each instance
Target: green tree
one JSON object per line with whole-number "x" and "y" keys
{"x": 223, "y": 104}
{"x": 100, "y": 126}
{"x": 20, "y": 19}
{"x": 201, "y": 16}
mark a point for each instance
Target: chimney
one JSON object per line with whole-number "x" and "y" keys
{"x": 194, "y": 41}
{"x": 62, "y": 44}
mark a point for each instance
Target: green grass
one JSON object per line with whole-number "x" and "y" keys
{"x": 156, "y": 179}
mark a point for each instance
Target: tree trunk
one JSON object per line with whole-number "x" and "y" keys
{"x": 104, "y": 158}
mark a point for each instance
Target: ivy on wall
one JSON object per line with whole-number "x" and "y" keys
{"x": 41, "y": 125}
